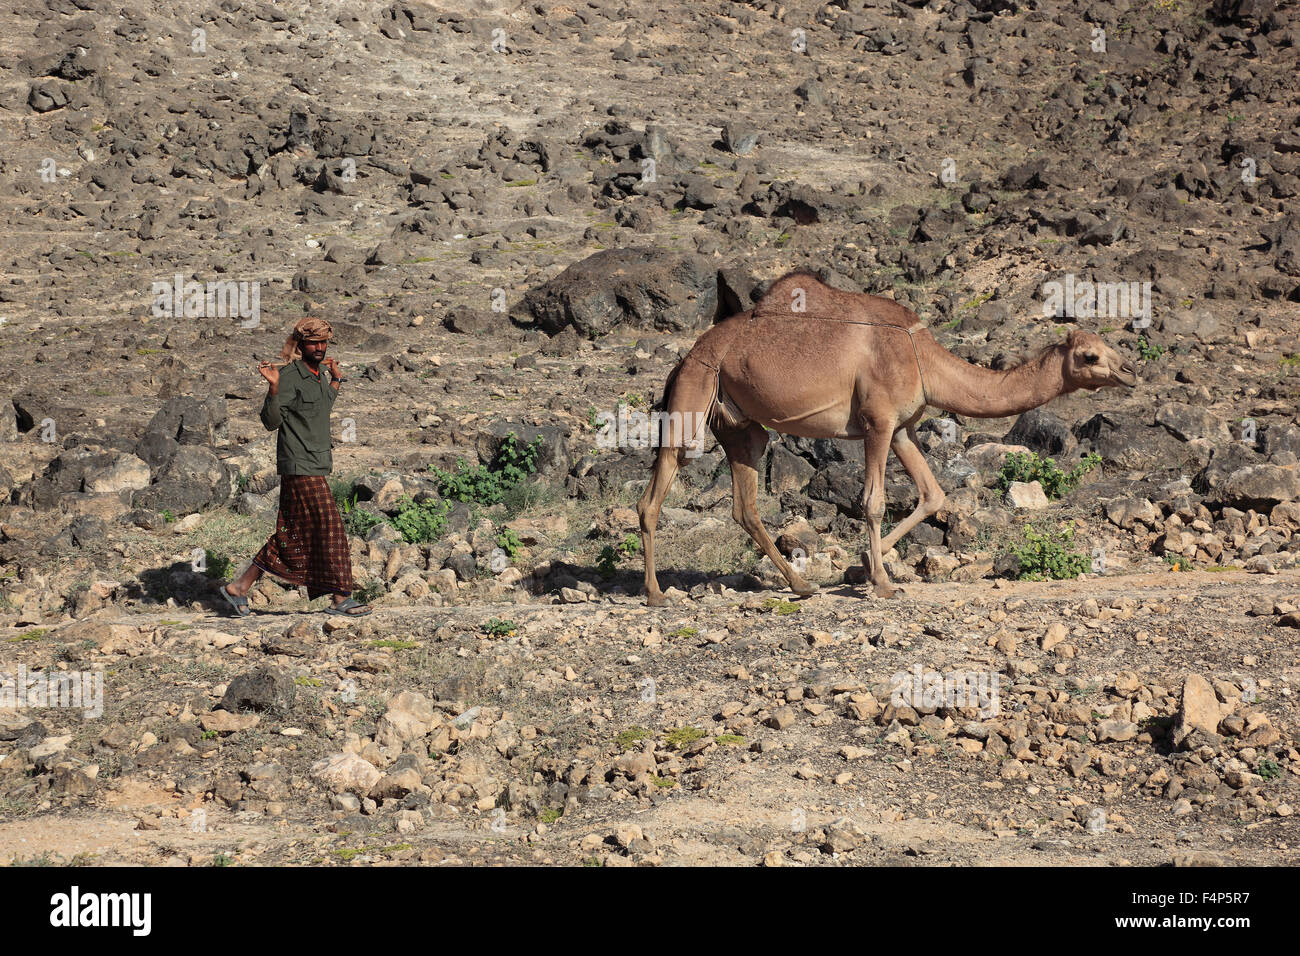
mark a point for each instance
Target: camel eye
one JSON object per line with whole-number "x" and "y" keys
{"x": 1090, "y": 359}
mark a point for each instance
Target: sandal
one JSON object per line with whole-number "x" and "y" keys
{"x": 240, "y": 604}
{"x": 346, "y": 607}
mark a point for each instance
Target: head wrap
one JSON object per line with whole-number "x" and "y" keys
{"x": 307, "y": 329}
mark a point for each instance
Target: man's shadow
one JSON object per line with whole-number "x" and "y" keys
{"x": 188, "y": 586}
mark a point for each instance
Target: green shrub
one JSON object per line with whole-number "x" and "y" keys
{"x": 631, "y": 737}
{"x": 1027, "y": 466}
{"x": 1049, "y": 557}
{"x": 509, "y": 542}
{"x": 488, "y": 485}
{"x": 1149, "y": 351}
{"x": 357, "y": 522}
{"x": 422, "y": 522}
{"x": 497, "y": 627}
{"x": 607, "y": 562}
{"x": 609, "y": 557}
{"x": 217, "y": 565}
{"x": 680, "y": 737}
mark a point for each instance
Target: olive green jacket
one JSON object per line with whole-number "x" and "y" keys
{"x": 300, "y": 409}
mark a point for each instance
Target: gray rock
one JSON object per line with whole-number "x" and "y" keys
{"x": 1189, "y": 421}
{"x": 191, "y": 422}
{"x": 644, "y": 288}
{"x": 263, "y": 690}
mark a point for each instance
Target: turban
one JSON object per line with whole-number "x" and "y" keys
{"x": 307, "y": 329}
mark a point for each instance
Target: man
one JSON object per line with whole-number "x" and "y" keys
{"x": 309, "y": 546}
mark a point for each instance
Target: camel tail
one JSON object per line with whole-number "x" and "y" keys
{"x": 662, "y": 404}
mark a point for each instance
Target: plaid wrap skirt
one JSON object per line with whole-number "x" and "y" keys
{"x": 309, "y": 546}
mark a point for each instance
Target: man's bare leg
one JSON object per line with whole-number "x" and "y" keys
{"x": 244, "y": 583}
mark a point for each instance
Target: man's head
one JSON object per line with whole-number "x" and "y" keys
{"x": 308, "y": 341}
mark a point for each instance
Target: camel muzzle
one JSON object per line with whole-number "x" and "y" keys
{"x": 1127, "y": 375}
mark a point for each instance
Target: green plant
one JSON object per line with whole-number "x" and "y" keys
{"x": 729, "y": 739}
{"x": 487, "y": 485}
{"x": 779, "y": 606}
{"x": 1027, "y": 466}
{"x": 631, "y": 737}
{"x": 682, "y": 736}
{"x": 357, "y": 522}
{"x": 1149, "y": 351}
{"x": 1177, "y": 562}
{"x": 217, "y": 565}
{"x": 498, "y": 627}
{"x": 421, "y": 522}
{"x": 509, "y": 542}
{"x": 168, "y": 515}
{"x": 607, "y": 562}
{"x": 1049, "y": 557}
{"x": 550, "y": 815}
{"x": 1268, "y": 769}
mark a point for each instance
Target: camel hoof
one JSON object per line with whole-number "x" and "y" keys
{"x": 886, "y": 591}
{"x": 805, "y": 589}
{"x": 655, "y": 600}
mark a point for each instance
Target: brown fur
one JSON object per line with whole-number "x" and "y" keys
{"x": 849, "y": 366}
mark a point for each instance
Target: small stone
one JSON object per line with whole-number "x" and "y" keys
{"x": 781, "y": 719}
{"x": 1199, "y": 709}
{"x": 1055, "y": 634}
{"x": 224, "y": 722}
{"x": 1116, "y": 730}
{"x": 1028, "y": 495}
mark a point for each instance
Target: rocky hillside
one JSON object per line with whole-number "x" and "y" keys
{"x": 517, "y": 217}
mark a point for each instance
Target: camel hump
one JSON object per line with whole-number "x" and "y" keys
{"x": 803, "y": 295}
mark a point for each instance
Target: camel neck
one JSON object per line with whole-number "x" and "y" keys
{"x": 956, "y": 385}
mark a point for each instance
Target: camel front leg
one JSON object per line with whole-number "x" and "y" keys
{"x": 929, "y": 492}
{"x": 876, "y": 446}
{"x": 744, "y": 450}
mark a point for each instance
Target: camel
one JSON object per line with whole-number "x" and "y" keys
{"x": 813, "y": 361}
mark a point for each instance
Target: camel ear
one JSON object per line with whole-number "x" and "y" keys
{"x": 1074, "y": 339}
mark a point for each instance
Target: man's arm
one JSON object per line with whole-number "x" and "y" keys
{"x": 336, "y": 374}
{"x": 271, "y": 407}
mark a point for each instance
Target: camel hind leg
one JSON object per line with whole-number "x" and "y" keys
{"x": 744, "y": 447}
{"x": 689, "y": 398}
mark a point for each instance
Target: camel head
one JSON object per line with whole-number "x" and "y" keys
{"x": 1090, "y": 363}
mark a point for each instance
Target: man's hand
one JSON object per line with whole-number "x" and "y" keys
{"x": 271, "y": 374}
{"x": 332, "y": 367}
